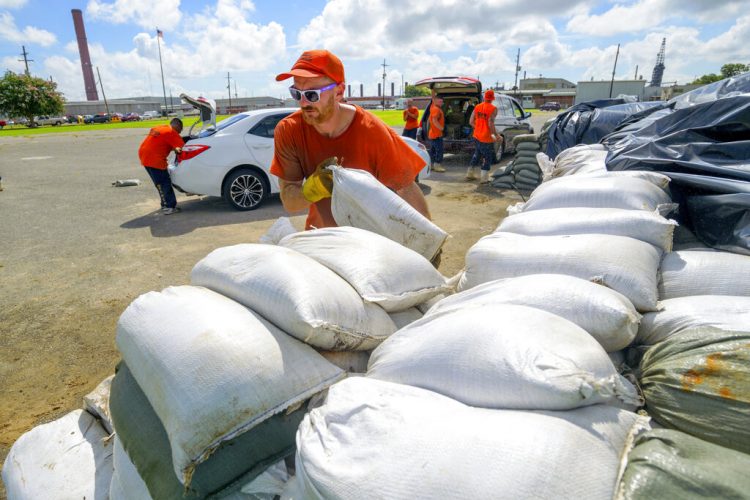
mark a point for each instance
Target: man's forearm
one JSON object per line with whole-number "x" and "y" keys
{"x": 291, "y": 196}
{"x": 412, "y": 195}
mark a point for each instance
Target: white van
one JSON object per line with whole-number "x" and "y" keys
{"x": 149, "y": 115}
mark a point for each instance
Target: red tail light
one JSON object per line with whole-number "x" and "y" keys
{"x": 191, "y": 151}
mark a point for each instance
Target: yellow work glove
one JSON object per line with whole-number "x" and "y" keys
{"x": 320, "y": 184}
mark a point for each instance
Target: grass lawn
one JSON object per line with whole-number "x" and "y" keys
{"x": 391, "y": 117}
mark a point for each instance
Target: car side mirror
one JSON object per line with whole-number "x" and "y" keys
{"x": 527, "y": 114}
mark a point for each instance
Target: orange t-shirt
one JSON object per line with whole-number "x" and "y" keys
{"x": 367, "y": 144}
{"x": 482, "y": 114}
{"x": 436, "y": 116}
{"x": 157, "y": 145}
{"x": 411, "y": 123}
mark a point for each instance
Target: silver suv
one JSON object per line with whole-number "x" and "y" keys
{"x": 460, "y": 94}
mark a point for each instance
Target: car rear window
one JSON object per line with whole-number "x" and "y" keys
{"x": 222, "y": 125}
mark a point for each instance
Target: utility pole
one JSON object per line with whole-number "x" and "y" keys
{"x": 384, "y": 65}
{"x": 235, "y": 90}
{"x": 635, "y": 77}
{"x": 106, "y": 106}
{"x": 612, "y": 81}
{"x": 518, "y": 68}
{"x": 229, "y": 89}
{"x": 25, "y": 59}
{"x": 159, "y": 35}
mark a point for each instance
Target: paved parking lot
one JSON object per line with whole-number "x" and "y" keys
{"x": 75, "y": 251}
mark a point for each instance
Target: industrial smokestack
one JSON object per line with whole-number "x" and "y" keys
{"x": 83, "y": 50}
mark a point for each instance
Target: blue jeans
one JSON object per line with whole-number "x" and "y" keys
{"x": 412, "y": 133}
{"x": 484, "y": 151}
{"x": 436, "y": 150}
{"x": 163, "y": 184}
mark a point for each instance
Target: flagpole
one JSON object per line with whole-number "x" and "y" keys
{"x": 163, "y": 87}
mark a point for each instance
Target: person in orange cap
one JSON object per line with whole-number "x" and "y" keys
{"x": 326, "y": 127}
{"x": 485, "y": 136}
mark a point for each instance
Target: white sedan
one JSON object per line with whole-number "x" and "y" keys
{"x": 233, "y": 159}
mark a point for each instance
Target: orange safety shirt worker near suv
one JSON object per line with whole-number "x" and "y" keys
{"x": 436, "y": 117}
{"x": 157, "y": 145}
{"x": 368, "y": 144}
{"x": 482, "y": 114}
{"x": 412, "y": 122}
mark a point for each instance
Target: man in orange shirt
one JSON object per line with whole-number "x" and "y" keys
{"x": 485, "y": 136}
{"x": 411, "y": 117}
{"x": 326, "y": 127}
{"x": 437, "y": 124}
{"x": 153, "y": 153}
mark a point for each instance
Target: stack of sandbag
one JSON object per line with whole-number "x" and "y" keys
{"x": 695, "y": 372}
{"x": 361, "y": 201}
{"x": 209, "y": 393}
{"x": 523, "y": 173}
{"x": 377, "y": 439}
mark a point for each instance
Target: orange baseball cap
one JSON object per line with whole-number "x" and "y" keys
{"x": 489, "y": 95}
{"x": 315, "y": 63}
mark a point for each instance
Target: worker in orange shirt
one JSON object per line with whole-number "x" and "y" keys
{"x": 153, "y": 153}
{"x": 411, "y": 117}
{"x": 437, "y": 125}
{"x": 325, "y": 127}
{"x": 485, "y": 136}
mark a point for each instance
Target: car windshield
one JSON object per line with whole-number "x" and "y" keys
{"x": 221, "y": 125}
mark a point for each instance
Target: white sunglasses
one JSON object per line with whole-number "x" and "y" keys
{"x": 312, "y": 95}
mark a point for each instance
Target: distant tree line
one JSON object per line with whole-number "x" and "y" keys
{"x": 728, "y": 70}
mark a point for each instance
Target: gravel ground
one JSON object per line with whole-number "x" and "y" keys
{"x": 75, "y": 251}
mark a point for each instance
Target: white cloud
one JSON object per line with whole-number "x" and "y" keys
{"x": 147, "y": 14}
{"x": 29, "y": 35}
{"x": 12, "y": 4}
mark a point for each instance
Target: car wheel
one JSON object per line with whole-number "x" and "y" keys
{"x": 499, "y": 150}
{"x": 245, "y": 189}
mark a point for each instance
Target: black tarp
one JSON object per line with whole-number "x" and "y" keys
{"x": 589, "y": 122}
{"x": 700, "y": 139}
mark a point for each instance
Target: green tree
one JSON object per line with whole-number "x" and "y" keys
{"x": 29, "y": 96}
{"x": 412, "y": 91}
{"x": 733, "y": 69}
{"x": 706, "y": 79}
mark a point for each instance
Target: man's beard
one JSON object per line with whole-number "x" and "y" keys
{"x": 319, "y": 115}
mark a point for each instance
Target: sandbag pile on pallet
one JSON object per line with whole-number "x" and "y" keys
{"x": 523, "y": 173}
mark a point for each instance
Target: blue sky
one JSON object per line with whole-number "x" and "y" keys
{"x": 254, "y": 41}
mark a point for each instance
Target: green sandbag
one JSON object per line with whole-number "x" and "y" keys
{"x": 502, "y": 185}
{"x": 528, "y": 146}
{"x": 526, "y": 162}
{"x": 671, "y": 464}
{"x": 526, "y": 157}
{"x": 524, "y": 138}
{"x": 699, "y": 382}
{"x": 506, "y": 170}
{"x": 233, "y": 465}
{"x": 527, "y": 177}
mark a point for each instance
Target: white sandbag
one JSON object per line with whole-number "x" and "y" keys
{"x": 617, "y": 358}
{"x": 659, "y": 180}
{"x": 213, "y": 369}
{"x": 626, "y": 265}
{"x": 426, "y": 306}
{"x": 704, "y": 272}
{"x": 601, "y": 192}
{"x": 68, "y": 458}
{"x": 97, "y": 403}
{"x": 127, "y": 484}
{"x": 580, "y": 158}
{"x": 380, "y": 270}
{"x": 503, "y": 356}
{"x": 267, "y": 486}
{"x": 605, "y": 314}
{"x": 546, "y": 165}
{"x": 405, "y": 317}
{"x": 349, "y": 361}
{"x": 377, "y": 440}
{"x": 297, "y": 294}
{"x": 725, "y": 312}
{"x": 639, "y": 224}
{"x": 360, "y": 200}
{"x": 278, "y": 230}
